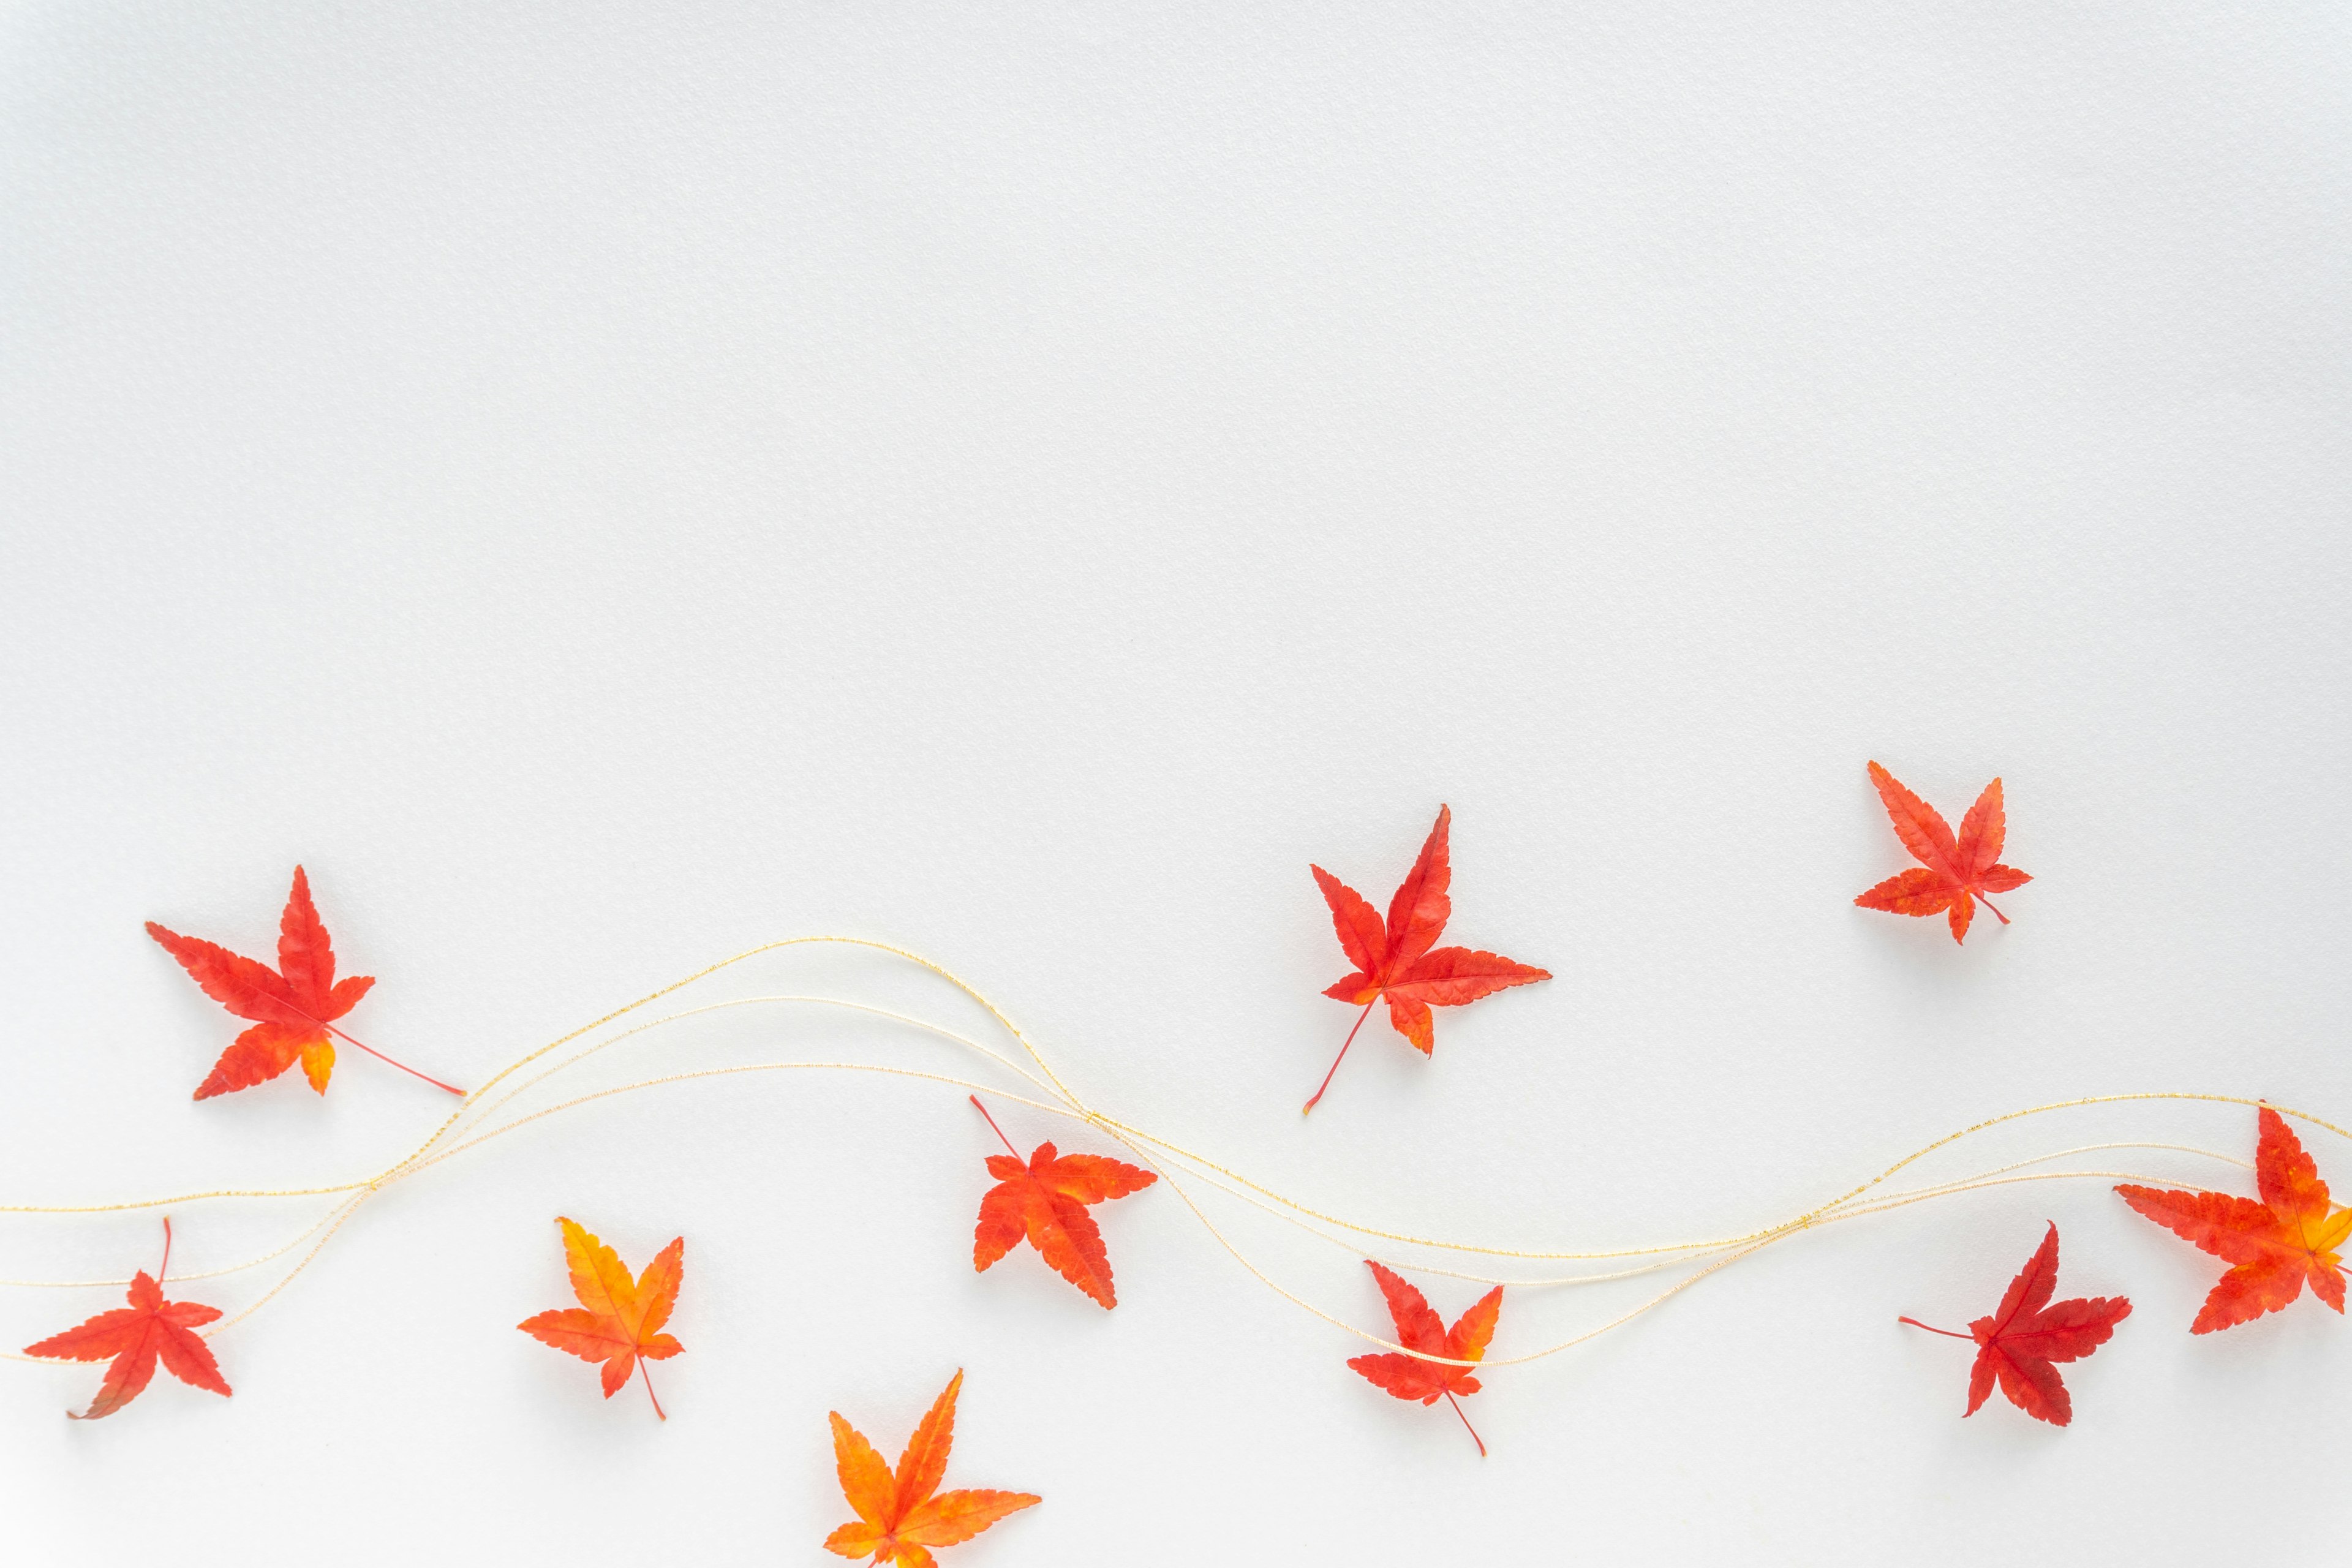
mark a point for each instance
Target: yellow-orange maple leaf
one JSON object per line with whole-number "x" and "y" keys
{"x": 898, "y": 1518}
{"x": 619, "y": 1319}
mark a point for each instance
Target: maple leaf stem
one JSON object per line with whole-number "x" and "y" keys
{"x": 165, "y": 1268}
{"x": 1996, "y": 913}
{"x": 1933, "y": 1330}
{"x": 411, "y": 1071}
{"x": 648, "y": 1373}
{"x": 1466, "y": 1423}
{"x": 1327, "y": 1084}
{"x": 1009, "y": 1149}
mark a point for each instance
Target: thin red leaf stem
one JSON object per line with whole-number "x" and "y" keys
{"x": 1466, "y": 1423}
{"x": 404, "y": 1066}
{"x": 165, "y": 1268}
{"x": 992, "y": 1121}
{"x": 648, "y": 1372}
{"x": 1326, "y": 1083}
{"x": 1933, "y": 1330}
{"x": 1996, "y": 913}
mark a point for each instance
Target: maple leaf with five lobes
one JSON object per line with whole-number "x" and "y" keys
{"x": 293, "y": 1007}
{"x": 1396, "y": 960}
{"x": 2274, "y": 1246}
{"x": 1954, "y": 874}
{"x": 138, "y": 1336}
{"x": 899, "y": 1519}
{"x": 1420, "y": 1329}
{"x": 619, "y": 1319}
{"x": 1046, "y": 1201}
{"x": 2026, "y": 1334}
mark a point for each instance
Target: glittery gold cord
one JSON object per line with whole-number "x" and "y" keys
{"x": 477, "y": 1107}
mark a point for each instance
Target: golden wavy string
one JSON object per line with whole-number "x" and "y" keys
{"x": 469, "y": 1127}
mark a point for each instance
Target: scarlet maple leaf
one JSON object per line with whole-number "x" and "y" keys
{"x": 621, "y": 1325}
{"x": 1395, "y": 960}
{"x": 1045, "y": 1200}
{"x": 2026, "y": 1334}
{"x": 1420, "y": 1329}
{"x": 293, "y": 1007}
{"x": 898, "y": 1519}
{"x": 136, "y": 1337}
{"x": 1954, "y": 875}
{"x": 2290, "y": 1237}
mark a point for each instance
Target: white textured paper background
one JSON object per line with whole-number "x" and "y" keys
{"x": 607, "y": 486}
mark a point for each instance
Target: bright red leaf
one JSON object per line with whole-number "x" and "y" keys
{"x": 293, "y": 1007}
{"x": 901, "y": 1517}
{"x": 136, "y": 1338}
{"x": 1420, "y": 1329}
{"x": 1395, "y": 960}
{"x": 1046, "y": 1201}
{"x": 619, "y": 1319}
{"x": 2274, "y": 1245}
{"x": 1954, "y": 875}
{"x": 2027, "y": 1333}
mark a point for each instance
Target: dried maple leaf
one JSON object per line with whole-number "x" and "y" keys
{"x": 136, "y": 1337}
{"x": 2290, "y": 1237}
{"x": 1420, "y": 1329}
{"x": 1954, "y": 876}
{"x": 2027, "y": 1333}
{"x": 1045, "y": 1200}
{"x": 1395, "y": 960}
{"x": 293, "y": 1007}
{"x": 898, "y": 1519}
{"x": 622, "y": 1320}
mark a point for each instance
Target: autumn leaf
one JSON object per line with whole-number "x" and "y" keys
{"x": 136, "y": 1337}
{"x": 1045, "y": 1200}
{"x": 619, "y": 1319}
{"x": 898, "y": 1518}
{"x": 293, "y": 1007}
{"x": 2291, "y": 1235}
{"x": 1396, "y": 960}
{"x": 2027, "y": 1334}
{"x": 1954, "y": 875}
{"x": 1420, "y": 1329}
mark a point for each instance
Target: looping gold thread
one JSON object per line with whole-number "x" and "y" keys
{"x": 1716, "y": 1252}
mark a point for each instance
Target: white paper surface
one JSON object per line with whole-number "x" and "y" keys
{"x": 607, "y": 487}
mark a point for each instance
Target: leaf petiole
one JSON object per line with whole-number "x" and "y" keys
{"x": 648, "y": 1373}
{"x": 1933, "y": 1330}
{"x": 1327, "y": 1084}
{"x": 1466, "y": 1423}
{"x": 1009, "y": 1149}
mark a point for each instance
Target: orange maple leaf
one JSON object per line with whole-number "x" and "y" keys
{"x": 1045, "y": 1200}
{"x": 621, "y": 1325}
{"x": 149, "y": 1330}
{"x": 1395, "y": 961}
{"x": 2274, "y": 1245}
{"x": 1420, "y": 1329}
{"x": 1954, "y": 875}
{"x": 898, "y": 1519}
{"x": 293, "y": 1007}
{"x": 2026, "y": 1334}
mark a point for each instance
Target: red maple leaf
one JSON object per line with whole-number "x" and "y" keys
{"x": 1954, "y": 875}
{"x": 1420, "y": 1329}
{"x": 1396, "y": 960}
{"x": 149, "y": 1330}
{"x": 2027, "y": 1334}
{"x": 293, "y": 1007}
{"x": 902, "y": 1517}
{"x": 1045, "y": 1200}
{"x": 2274, "y": 1245}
